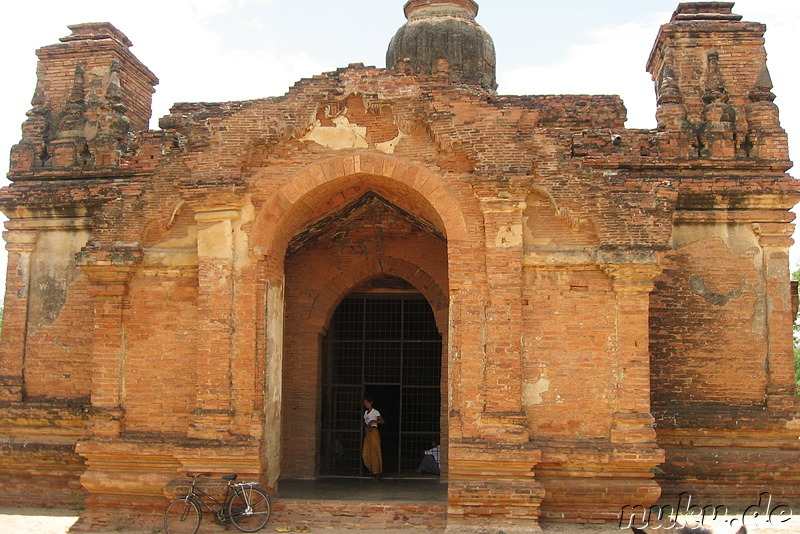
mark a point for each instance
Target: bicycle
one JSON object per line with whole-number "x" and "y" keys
{"x": 246, "y": 506}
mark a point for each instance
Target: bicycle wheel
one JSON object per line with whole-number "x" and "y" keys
{"x": 182, "y": 517}
{"x": 249, "y": 509}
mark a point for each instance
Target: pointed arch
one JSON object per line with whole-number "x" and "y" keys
{"x": 293, "y": 204}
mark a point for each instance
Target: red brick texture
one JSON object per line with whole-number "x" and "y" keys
{"x": 614, "y": 304}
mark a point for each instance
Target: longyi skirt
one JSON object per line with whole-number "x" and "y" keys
{"x": 371, "y": 453}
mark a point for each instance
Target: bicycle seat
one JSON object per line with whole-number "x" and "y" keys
{"x": 229, "y": 477}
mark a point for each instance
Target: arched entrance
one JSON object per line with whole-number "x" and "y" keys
{"x": 357, "y": 250}
{"x": 382, "y": 342}
{"x": 331, "y": 228}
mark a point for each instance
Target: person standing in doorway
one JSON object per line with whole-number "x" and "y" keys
{"x": 371, "y": 453}
{"x": 430, "y": 461}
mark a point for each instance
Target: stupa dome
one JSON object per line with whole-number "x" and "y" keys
{"x": 442, "y": 36}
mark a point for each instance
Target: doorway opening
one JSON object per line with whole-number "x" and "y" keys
{"x": 382, "y": 344}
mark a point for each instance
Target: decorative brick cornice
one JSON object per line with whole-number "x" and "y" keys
{"x": 111, "y": 268}
{"x": 632, "y": 277}
{"x": 705, "y": 11}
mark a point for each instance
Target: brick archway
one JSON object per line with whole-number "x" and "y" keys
{"x": 292, "y": 205}
{"x": 329, "y": 298}
{"x": 309, "y": 196}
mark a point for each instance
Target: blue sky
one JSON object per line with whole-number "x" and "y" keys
{"x": 213, "y": 50}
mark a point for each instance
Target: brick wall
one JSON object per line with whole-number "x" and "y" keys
{"x": 161, "y": 380}
{"x": 714, "y": 349}
{"x": 569, "y": 357}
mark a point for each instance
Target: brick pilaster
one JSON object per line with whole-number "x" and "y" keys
{"x": 775, "y": 239}
{"x": 503, "y": 419}
{"x": 491, "y": 480}
{"x": 212, "y": 416}
{"x": 632, "y": 420}
{"x": 20, "y": 245}
{"x": 273, "y": 402}
{"x": 109, "y": 292}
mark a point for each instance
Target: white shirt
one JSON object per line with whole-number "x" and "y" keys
{"x": 371, "y": 417}
{"x": 434, "y": 452}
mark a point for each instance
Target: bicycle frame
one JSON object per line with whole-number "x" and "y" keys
{"x": 196, "y": 492}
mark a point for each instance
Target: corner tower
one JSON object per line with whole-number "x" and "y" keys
{"x": 442, "y": 37}
{"x": 713, "y": 85}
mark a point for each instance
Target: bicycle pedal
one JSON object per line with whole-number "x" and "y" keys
{"x": 221, "y": 521}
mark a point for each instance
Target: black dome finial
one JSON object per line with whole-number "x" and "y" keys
{"x": 441, "y": 36}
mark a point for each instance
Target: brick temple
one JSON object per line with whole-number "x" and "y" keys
{"x": 585, "y": 316}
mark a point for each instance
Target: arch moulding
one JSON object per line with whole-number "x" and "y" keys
{"x": 273, "y": 218}
{"x": 326, "y": 302}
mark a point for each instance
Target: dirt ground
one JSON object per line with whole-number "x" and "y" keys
{"x": 36, "y": 520}
{"x": 59, "y": 521}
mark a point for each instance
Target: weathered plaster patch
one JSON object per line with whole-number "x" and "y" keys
{"x": 793, "y": 424}
{"x": 240, "y": 235}
{"x": 758, "y": 322}
{"x": 699, "y": 288}
{"x": 53, "y": 270}
{"x": 215, "y": 240}
{"x": 273, "y": 390}
{"x": 187, "y": 241}
{"x": 508, "y": 236}
{"x": 532, "y": 392}
{"x": 170, "y": 258}
{"x": 739, "y": 239}
{"x": 341, "y": 136}
{"x": 389, "y": 146}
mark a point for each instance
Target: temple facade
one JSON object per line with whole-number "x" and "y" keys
{"x": 584, "y": 316}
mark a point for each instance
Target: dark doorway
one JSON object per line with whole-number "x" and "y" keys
{"x": 385, "y": 345}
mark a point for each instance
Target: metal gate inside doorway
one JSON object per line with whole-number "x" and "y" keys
{"x": 385, "y": 346}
